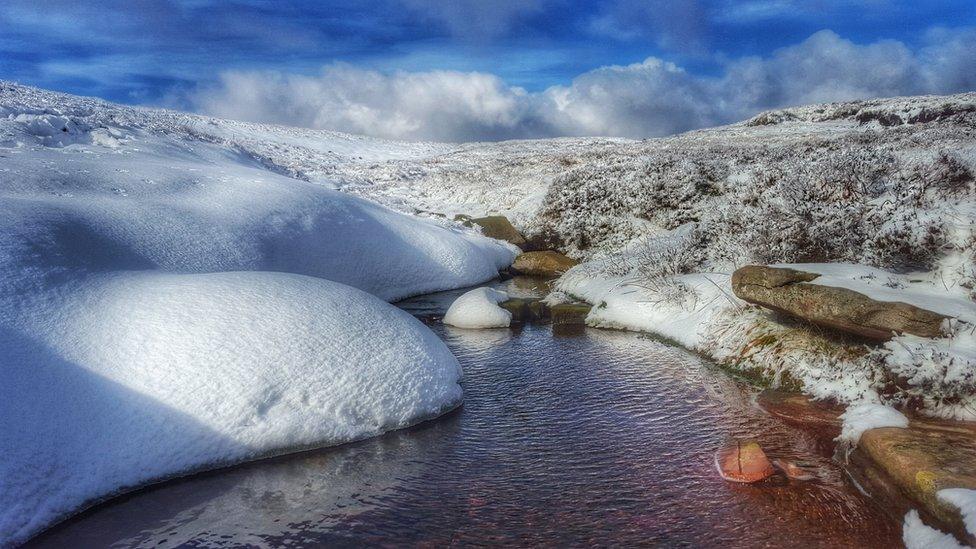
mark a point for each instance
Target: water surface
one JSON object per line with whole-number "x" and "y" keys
{"x": 601, "y": 438}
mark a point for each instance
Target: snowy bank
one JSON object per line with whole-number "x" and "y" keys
{"x": 171, "y": 301}
{"x": 700, "y": 312}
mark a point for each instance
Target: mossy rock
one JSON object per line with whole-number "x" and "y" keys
{"x": 539, "y": 311}
{"x": 569, "y": 314}
{"x": 526, "y": 309}
{"x": 518, "y": 307}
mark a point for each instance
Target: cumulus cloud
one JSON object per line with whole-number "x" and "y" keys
{"x": 645, "y": 99}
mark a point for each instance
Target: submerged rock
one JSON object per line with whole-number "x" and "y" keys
{"x": 743, "y": 461}
{"x": 547, "y": 263}
{"x": 789, "y": 291}
{"x": 499, "y": 227}
{"x": 800, "y": 409}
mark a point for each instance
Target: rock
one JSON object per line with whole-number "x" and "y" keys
{"x": 547, "y": 263}
{"x": 519, "y": 307}
{"x": 569, "y": 314}
{"x": 539, "y": 311}
{"x": 788, "y": 291}
{"x": 799, "y": 409}
{"x": 498, "y": 226}
{"x": 793, "y": 470}
{"x": 906, "y": 467}
{"x": 743, "y": 461}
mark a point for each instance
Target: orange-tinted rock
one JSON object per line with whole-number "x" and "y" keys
{"x": 743, "y": 461}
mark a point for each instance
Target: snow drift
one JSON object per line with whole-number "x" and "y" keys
{"x": 170, "y": 301}
{"x": 479, "y": 309}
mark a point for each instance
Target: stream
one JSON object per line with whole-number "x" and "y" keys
{"x": 593, "y": 438}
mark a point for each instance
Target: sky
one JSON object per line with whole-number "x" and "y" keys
{"x": 468, "y": 70}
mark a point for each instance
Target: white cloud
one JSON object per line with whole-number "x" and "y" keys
{"x": 645, "y": 99}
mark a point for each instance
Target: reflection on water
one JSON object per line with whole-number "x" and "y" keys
{"x": 606, "y": 438}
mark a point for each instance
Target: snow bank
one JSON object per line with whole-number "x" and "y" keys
{"x": 131, "y": 377}
{"x": 917, "y": 535}
{"x": 171, "y": 301}
{"x": 479, "y": 309}
{"x": 965, "y": 500}
{"x": 864, "y": 417}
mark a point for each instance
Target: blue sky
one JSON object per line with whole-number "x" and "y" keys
{"x": 181, "y": 52}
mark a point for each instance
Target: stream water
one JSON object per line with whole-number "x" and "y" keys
{"x": 597, "y": 438}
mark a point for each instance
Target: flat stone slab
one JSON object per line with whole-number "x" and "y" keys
{"x": 906, "y": 468}
{"x": 789, "y": 291}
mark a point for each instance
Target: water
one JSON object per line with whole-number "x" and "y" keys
{"x": 602, "y": 438}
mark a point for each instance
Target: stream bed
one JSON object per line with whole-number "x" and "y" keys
{"x": 595, "y": 438}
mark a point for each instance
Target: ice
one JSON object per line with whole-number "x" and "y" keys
{"x": 863, "y": 417}
{"x": 479, "y": 309}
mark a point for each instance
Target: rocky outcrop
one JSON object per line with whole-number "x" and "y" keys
{"x": 906, "y": 468}
{"x": 548, "y": 263}
{"x": 496, "y": 226}
{"x": 789, "y": 291}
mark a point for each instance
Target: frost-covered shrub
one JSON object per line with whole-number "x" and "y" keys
{"x": 874, "y": 197}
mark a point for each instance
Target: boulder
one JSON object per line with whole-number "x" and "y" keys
{"x": 743, "y": 461}
{"x": 497, "y": 226}
{"x": 905, "y": 468}
{"x": 547, "y": 263}
{"x": 789, "y": 291}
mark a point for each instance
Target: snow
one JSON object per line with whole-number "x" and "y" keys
{"x": 926, "y": 290}
{"x": 619, "y": 304}
{"x": 965, "y": 500}
{"x": 917, "y": 535}
{"x": 171, "y": 301}
{"x": 863, "y": 417}
{"x": 479, "y": 309}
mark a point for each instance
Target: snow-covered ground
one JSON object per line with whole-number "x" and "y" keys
{"x": 172, "y": 301}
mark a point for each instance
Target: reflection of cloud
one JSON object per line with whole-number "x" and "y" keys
{"x": 643, "y": 99}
